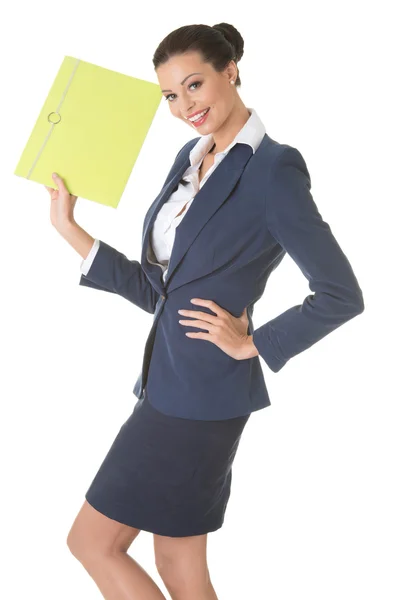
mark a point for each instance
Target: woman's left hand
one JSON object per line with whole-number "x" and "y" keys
{"x": 224, "y": 330}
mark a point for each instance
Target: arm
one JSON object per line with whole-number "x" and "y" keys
{"x": 85, "y": 266}
{"x": 293, "y": 219}
{"x": 112, "y": 271}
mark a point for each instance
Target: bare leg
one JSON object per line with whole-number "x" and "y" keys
{"x": 119, "y": 577}
{"x": 100, "y": 544}
{"x": 182, "y": 564}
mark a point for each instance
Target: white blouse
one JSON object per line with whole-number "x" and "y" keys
{"x": 162, "y": 235}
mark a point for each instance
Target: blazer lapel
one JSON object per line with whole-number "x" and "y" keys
{"x": 207, "y": 201}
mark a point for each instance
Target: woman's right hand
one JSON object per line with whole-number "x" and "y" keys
{"x": 62, "y": 204}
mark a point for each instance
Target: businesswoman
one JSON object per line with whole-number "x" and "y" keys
{"x": 235, "y": 201}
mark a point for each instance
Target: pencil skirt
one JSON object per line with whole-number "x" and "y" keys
{"x": 168, "y": 475}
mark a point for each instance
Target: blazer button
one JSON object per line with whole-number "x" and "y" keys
{"x": 162, "y": 297}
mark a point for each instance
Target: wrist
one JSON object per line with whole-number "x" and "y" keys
{"x": 252, "y": 346}
{"x": 250, "y": 350}
{"x": 77, "y": 237}
{"x": 66, "y": 226}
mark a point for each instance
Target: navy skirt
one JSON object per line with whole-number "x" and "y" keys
{"x": 168, "y": 475}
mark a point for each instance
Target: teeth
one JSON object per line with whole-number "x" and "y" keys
{"x": 197, "y": 117}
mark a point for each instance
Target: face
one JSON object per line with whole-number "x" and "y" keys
{"x": 190, "y": 85}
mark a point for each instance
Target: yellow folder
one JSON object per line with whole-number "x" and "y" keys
{"x": 90, "y": 131}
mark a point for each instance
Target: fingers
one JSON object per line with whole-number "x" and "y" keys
{"x": 58, "y": 180}
{"x": 61, "y": 187}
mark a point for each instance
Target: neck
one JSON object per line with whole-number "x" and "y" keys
{"x": 230, "y": 128}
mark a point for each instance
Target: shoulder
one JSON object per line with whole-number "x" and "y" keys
{"x": 271, "y": 156}
{"x": 286, "y": 183}
{"x": 286, "y": 164}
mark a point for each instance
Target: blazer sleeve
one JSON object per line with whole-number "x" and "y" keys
{"x": 293, "y": 220}
{"x": 112, "y": 271}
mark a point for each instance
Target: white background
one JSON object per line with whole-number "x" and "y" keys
{"x": 314, "y": 505}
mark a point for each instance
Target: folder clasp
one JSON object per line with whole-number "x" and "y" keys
{"x": 53, "y": 122}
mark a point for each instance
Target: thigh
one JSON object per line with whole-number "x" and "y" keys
{"x": 181, "y": 554}
{"x": 93, "y": 532}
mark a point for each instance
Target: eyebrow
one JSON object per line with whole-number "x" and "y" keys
{"x": 182, "y": 82}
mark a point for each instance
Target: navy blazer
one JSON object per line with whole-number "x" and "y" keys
{"x": 251, "y": 211}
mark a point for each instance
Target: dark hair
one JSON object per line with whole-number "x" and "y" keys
{"x": 217, "y": 45}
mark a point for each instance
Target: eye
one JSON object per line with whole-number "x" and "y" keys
{"x": 194, "y": 83}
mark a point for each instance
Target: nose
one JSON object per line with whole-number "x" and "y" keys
{"x": 186, "y": 108}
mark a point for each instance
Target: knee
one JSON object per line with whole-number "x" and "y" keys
{"x": 93, "y": 536}
{"x": 85, "y": 547}
{"x": 179, "y": 575}
{"x": 78, "y": 545}
{"x": 88, "y": 545}
{"x": 173, "y": 575}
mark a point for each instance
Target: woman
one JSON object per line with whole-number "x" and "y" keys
{"x": 169, "y": 469}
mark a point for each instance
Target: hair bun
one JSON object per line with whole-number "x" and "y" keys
{"x": 233, "y": 37}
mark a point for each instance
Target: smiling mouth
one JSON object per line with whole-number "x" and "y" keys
{"x": 203, "y": 114}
